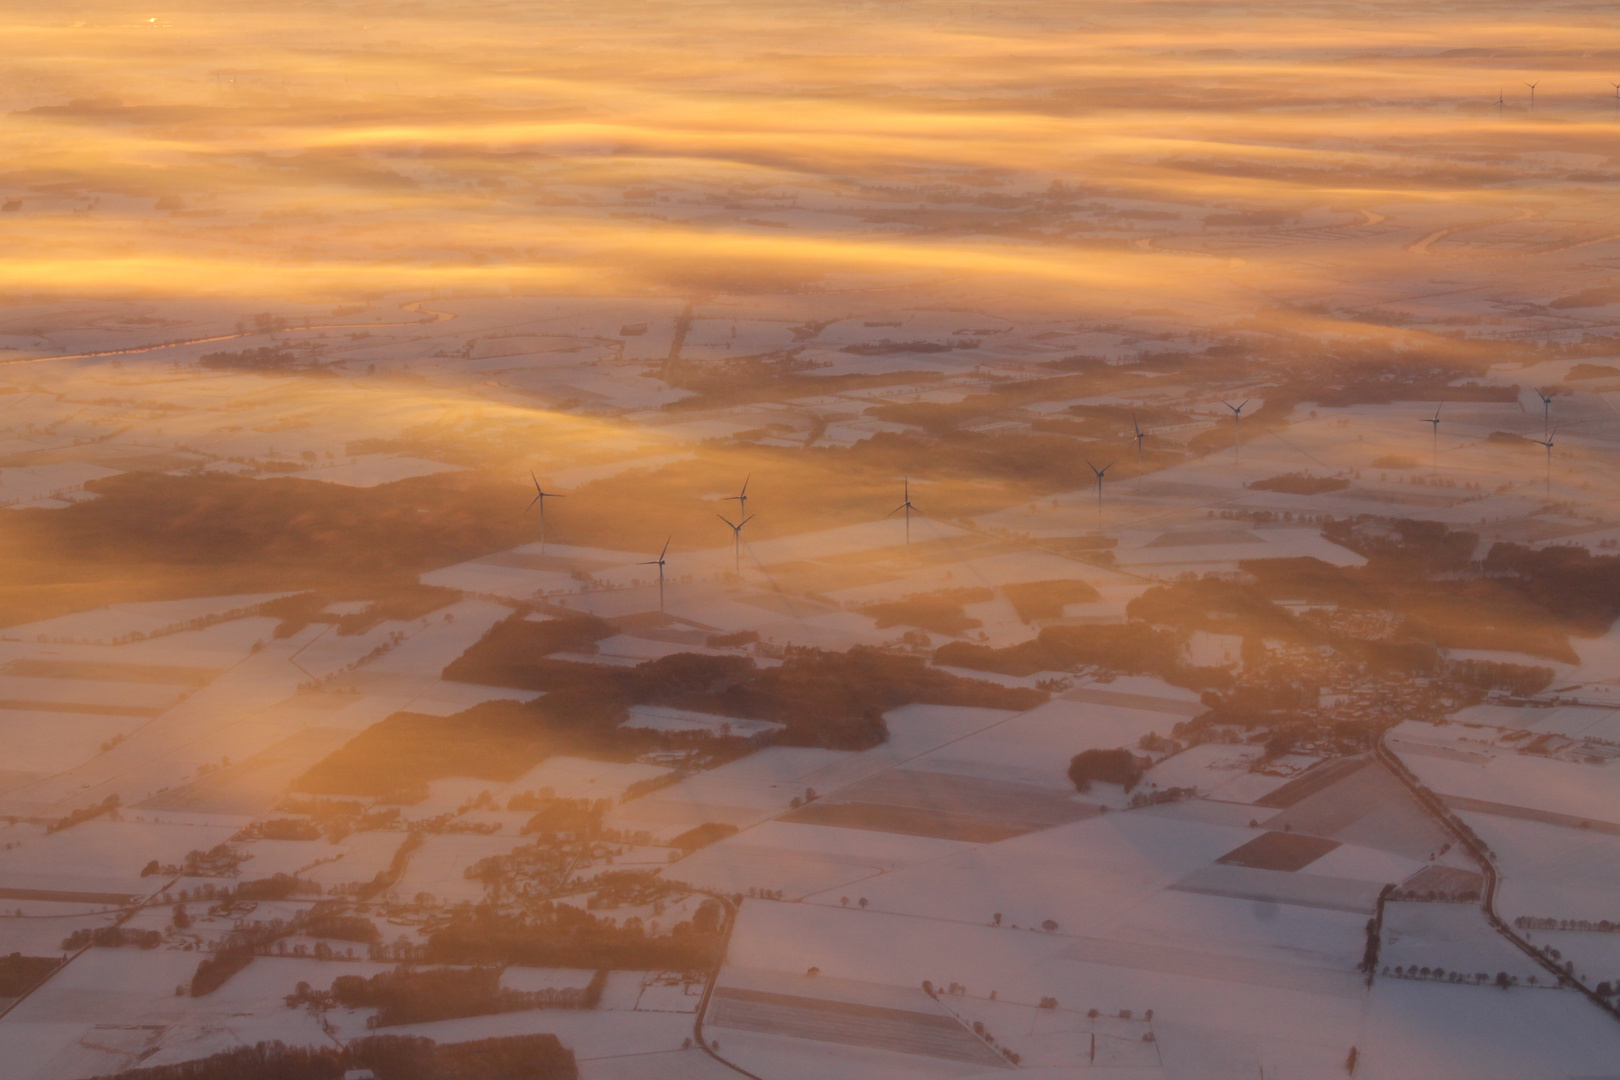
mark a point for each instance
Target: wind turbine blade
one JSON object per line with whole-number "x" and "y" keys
{"x": 747, "y": 478}
{"x": 897, "y": 509}
{"x": 746, "y": 520}
{"x": 1245, "y": 404}
{"x": 661, "y": 554}
{"x": 727, "y": 520}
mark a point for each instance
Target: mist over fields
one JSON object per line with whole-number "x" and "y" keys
{"x": 901, "y": 540}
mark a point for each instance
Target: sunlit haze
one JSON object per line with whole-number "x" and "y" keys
{"x": 669, "y": 540}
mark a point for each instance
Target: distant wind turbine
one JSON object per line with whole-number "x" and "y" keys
{"x": 1140, "y": 435}
{"x": 907, "y": 507}
{"x": 1435, "y": 420}
{"x": 1546, "y": 413}
{"x": 541, "y": 497}
{"x": 1616, "y": 86}
{"x": 741, "y": 499}
{"x": 1501, "y": 103}
{"x": 1532, "y": 86}
{"x": 1548, "y": 443}
{"x": 736, "y": 535}
{"x": 1237, "y": 417}
{"x": 1100, "y": 473}
{"x": 659, "y": 562}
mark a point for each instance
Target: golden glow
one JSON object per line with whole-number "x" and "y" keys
{"x": 325, "y": 152}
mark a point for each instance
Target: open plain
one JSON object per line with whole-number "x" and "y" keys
{"x": 889, "y": 540}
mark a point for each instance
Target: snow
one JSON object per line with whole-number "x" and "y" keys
{"x": 1090, "y": 872}
{"x": 104, "y": 856}
{"x": 802, "y": 860}
{"x": 25, "y": 485}
{"x": 580, "y": 778}
{"x": 1415, "y": 1028}
{"x": 1551, "y": 871}
{"x": 1455, "y": 937}
{"x": 120, "y": 620}
{"x": 1365, "y": 864}
{"x": 438, "y": 867}
{"x": 1036, "y": 746}
{"x": 661, "y": 718}
{"x": 1513, "y": 779}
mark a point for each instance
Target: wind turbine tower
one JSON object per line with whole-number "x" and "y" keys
{"x": 907, "y": 507}
{"x": 1435, "y": 420}
{"x": 736, "y": 535}
{"x": 1548, "y": 443}
{"x": 659, "y": 562}
{"x": 541, "y": 497}
{"x": 1099, "y": 473}
{"x": 1237, "y": 426}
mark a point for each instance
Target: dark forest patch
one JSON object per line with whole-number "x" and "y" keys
{"x": 19, "y": 974}
{"x": 1133, "y": 648}
{"x": 388, "y": 1057}
{"x": 939, "y": 611}
{"x": 1301, "y": 484}
{"x": 827, "y": 699}
{"x": 561, "y": 935}
{"x": 1592, "y": 371}
{"x": 1047, "y": 599}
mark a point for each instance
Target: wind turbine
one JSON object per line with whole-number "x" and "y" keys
{"x": 1616, "y": 86}
{"x": 741, "y": 499}
{"x": 907, "y": 507}
{"x": 1546, "y": 413}
{"x": 1548, "y": 443}
{"x": 1237, "y": 418}
{"x": 1100, "y": 473}
{"x": 1532, "y": 86}
{"x": 1140, "y": 435}
{"x": 541, "y": 497}
{"x": 736, "y": 534}
{"x": 1435, "y": 420}
{"x": 1501, "y": 103}
{"x": 659, "y": 562}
